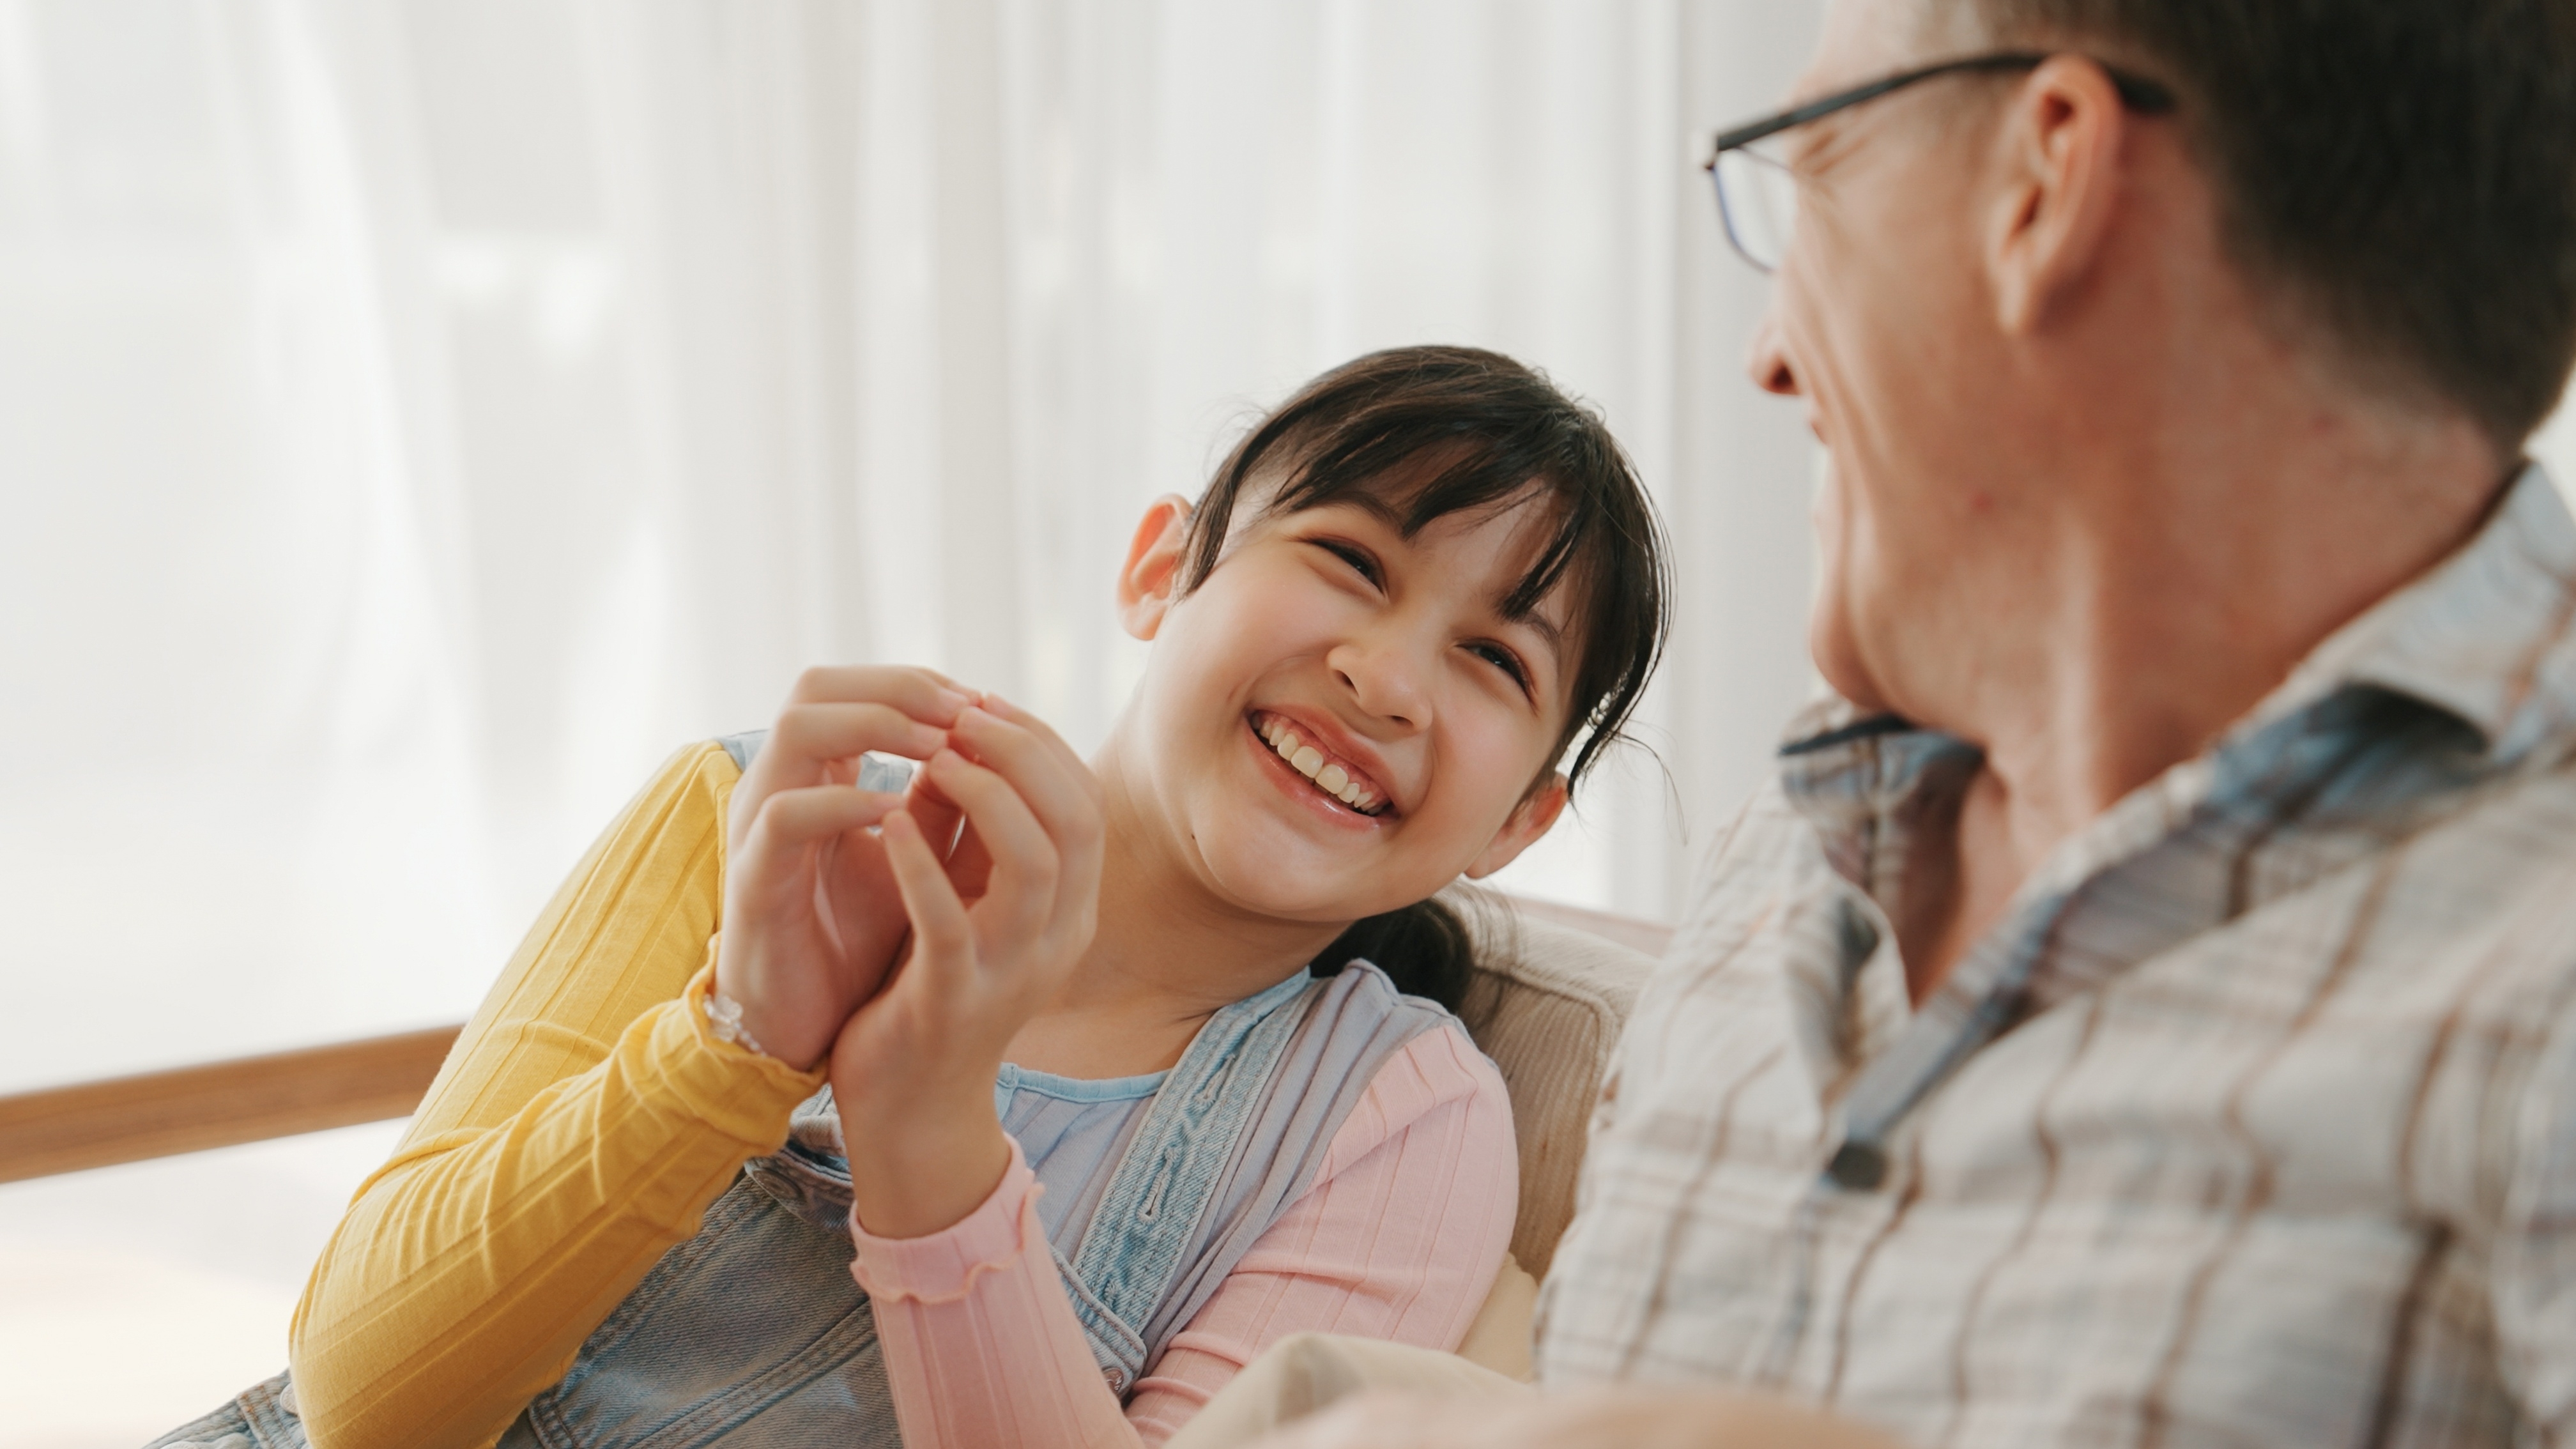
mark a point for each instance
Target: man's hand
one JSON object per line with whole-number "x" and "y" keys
{"x": 1604, "y": 1418}
{"x": 812, "y": 918}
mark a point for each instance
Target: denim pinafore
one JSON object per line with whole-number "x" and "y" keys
{"x": 754, "y": 1334}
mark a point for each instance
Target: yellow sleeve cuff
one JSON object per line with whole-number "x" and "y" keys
{"x": 735, "y": 1090}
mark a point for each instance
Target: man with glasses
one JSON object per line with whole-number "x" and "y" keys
{"x": 2143, "y": 1011}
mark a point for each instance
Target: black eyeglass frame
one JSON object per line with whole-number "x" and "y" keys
{"x": 2137, "y": 92}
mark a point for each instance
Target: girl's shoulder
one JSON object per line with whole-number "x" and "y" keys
{"x": 1434, "y": 1033}
{"x": 1436, "y": 1072}
{"x": 674, "y": 826}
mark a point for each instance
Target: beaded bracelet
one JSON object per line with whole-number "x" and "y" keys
{"x": 724, "y": 1018}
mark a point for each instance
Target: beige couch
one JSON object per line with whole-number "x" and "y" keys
{"x": 1547, "y": 1004}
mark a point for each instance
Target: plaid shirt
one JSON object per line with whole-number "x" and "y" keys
{"x": 2254, "y": 1122}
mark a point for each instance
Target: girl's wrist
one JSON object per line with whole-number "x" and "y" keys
{"x": 922, "y": 1166}
{"x": 738, "y": 1008}
{"x": 724, "y": 1022}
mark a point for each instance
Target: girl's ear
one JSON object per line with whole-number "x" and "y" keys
{"x": 1529, "y": 820}
{"x": 1153, "y": 573}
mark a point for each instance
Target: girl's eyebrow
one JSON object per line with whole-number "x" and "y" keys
{"x": 1547, "y": 629}
{"x": 1376, "y": 507}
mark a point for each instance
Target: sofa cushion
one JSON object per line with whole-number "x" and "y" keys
{"x": 1547, "y": 1003}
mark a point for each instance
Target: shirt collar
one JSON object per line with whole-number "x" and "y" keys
{"x": 2485, "y": 635}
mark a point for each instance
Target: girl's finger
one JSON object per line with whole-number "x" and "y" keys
{"x": 810, "y": 740}
{"x": 936, "y": 814}
{"x": 1000, "y": 708}
{"x": 809, "y": 737}
{"x": 818, "y": 812}
{"x": 1019, "y": 897}
{"x": 942, "y": 934}
{"x": 773, "y": 857}
{"x": 925, "y": 694}
{"x": 794, "y": 819}
{"x": 1058, "y": 788}
{"x": 970, "y": 866}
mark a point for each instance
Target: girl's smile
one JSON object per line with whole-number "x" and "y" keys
{"x": 1317, "y": 760}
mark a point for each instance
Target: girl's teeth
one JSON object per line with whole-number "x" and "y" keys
{"x": 1308, "y": 761}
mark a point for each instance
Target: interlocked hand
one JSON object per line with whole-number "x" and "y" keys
{"x": 813, "y": 919}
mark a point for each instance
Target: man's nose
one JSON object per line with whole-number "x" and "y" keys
{"x": 1769, "y": 361}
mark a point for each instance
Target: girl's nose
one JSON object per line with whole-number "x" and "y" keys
{"x": 1384, "y": 680}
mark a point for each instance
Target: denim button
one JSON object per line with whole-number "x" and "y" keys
{"x": 1858, "y": 1166}
{"x": 1115, "y": 1378}
{"x": 286, "y": 1401}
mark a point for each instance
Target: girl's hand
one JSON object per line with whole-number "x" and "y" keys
{"x": 997, "y": 925}
{"x": 812, "y": 919}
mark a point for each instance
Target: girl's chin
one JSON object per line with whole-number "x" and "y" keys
{"x": 1291, "y": 884}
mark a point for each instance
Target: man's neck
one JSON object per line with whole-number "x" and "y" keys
{"x": 2183, "y": 583}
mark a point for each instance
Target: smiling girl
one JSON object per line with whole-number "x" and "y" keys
{"x": 1021, "y": 1102}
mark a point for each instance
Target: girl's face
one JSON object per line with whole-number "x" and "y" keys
{"x": 1339, "y": 720}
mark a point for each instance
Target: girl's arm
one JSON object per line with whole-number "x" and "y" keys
{"x": 588, "y": 1115}
{"x": 580, "y": 1127}
{"x": 1398, "y": 1238}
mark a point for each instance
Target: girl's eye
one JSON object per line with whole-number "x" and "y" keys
{"x": 1358, "y": 558}
{"x": 1504, "y": 660}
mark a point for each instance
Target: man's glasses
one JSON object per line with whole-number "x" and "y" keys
{"x": 1757, "y": 197}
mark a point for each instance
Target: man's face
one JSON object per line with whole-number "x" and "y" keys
{"x": 1879, "y": 319}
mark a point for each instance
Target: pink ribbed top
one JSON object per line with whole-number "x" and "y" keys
{"x": 1399, "y": 1238}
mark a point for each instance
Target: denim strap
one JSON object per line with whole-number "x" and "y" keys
{"x": 1146, "y": 1229}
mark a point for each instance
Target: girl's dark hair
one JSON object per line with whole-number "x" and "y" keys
{"x": 1426, "y": 432}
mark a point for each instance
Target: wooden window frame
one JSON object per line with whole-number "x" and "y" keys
{"x": 251, "y": 1099}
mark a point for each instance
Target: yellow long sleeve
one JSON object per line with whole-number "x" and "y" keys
{"x": 579, "y": 1129}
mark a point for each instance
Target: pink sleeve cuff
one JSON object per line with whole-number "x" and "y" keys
{"x": 943, "y": 1267}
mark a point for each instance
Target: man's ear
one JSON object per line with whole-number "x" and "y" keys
{"x": 2061, "y": 172}
{"x": 1152, "y": 577}
{"x": 1529, "y": 820}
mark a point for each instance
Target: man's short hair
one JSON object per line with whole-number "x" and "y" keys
{"x": 2407, "y": 168}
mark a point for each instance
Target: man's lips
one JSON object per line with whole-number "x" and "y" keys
{"x": 1332, "y": 773}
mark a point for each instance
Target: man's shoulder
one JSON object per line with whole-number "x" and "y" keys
{"x": 1768, "y": 858}
{"x": 1766, "y": 839}
{"x": 2493, "y": 887}
{"x": 1769, "y": 918}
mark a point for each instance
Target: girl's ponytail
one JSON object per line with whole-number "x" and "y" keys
{"x": 1423, "y": 948}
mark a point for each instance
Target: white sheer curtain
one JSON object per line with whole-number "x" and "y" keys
{"x": 417, "y": 417}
